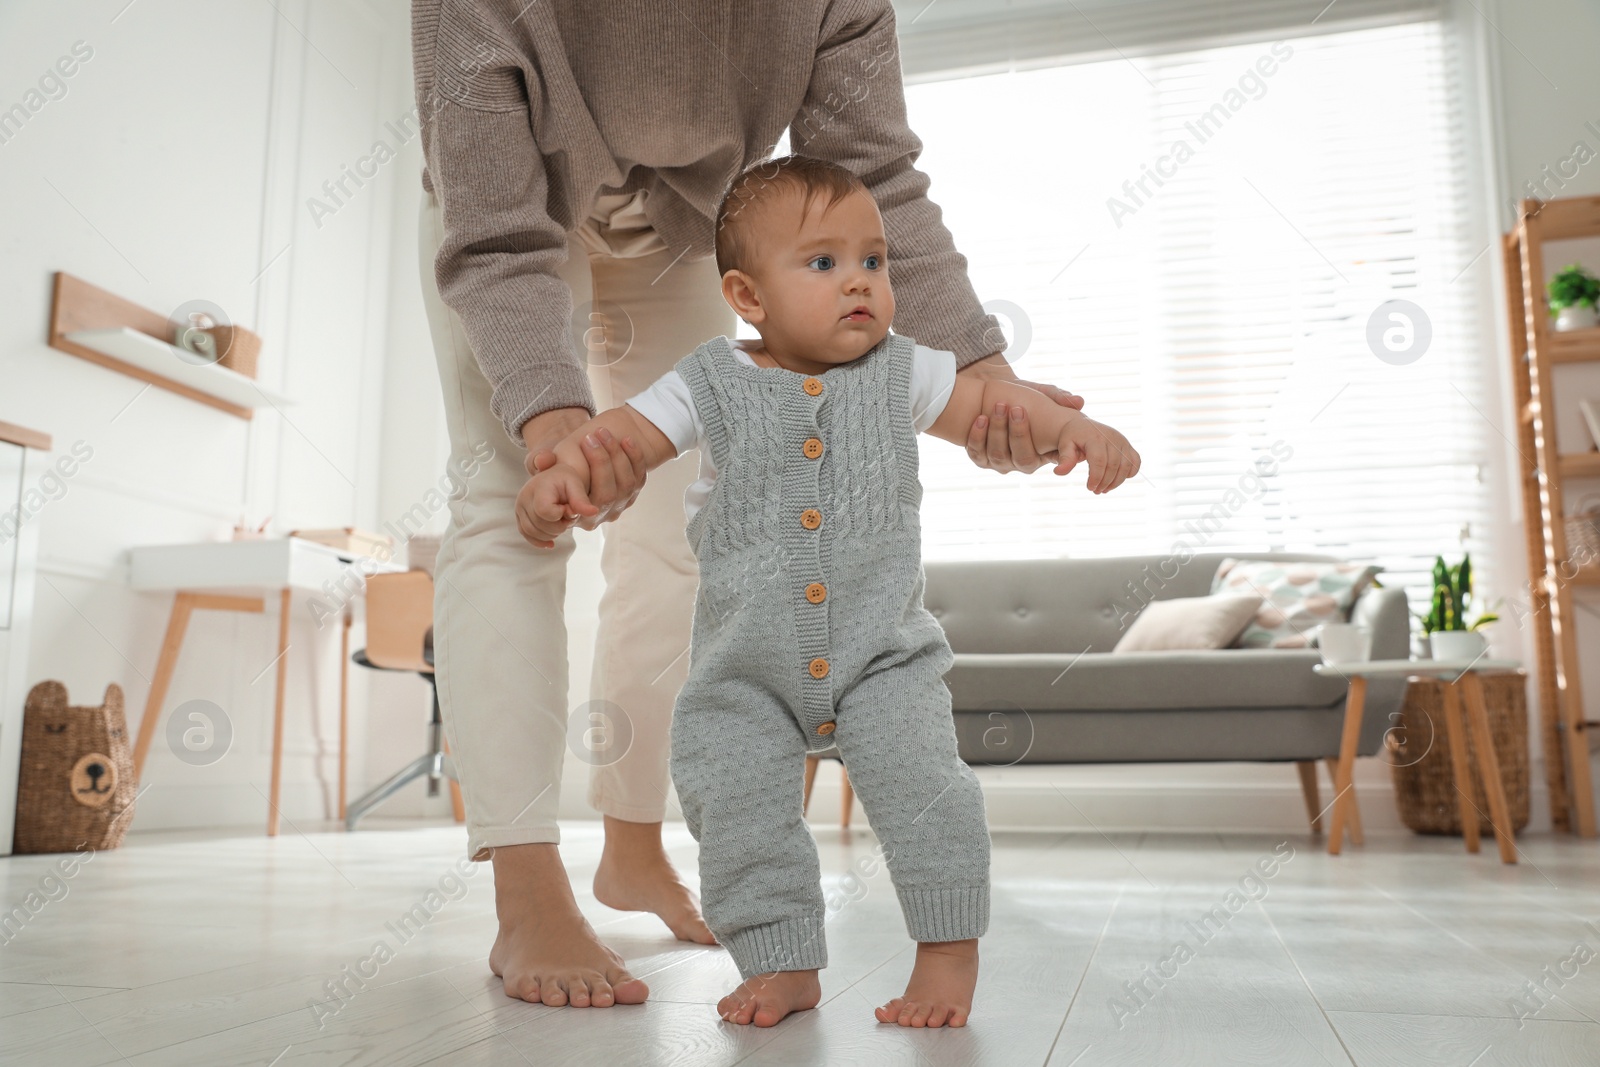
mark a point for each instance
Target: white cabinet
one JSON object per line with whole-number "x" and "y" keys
{"x": 20, "y": 468}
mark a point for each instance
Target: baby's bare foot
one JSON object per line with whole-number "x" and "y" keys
{"x": 767, "y": 998}
{"x": 635, "y": 875}
{"x": 940, "y": 990}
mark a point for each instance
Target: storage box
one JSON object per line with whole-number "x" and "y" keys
{"x": 240, "y": 349}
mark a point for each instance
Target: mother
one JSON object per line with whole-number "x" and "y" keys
{"x": 576, "y": 152}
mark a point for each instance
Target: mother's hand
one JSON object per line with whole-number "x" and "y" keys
{"x": 616, "y": 469}
{"x": 1002, "y": 440}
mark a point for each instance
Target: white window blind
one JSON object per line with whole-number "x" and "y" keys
{"x": 1220, "y": 319}
{"x": 941, "y": 37}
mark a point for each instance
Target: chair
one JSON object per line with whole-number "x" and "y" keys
{"x": 400, "y": 638}
{"x": 846, "y": 801}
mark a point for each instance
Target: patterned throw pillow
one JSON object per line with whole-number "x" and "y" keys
{"x": 1297, "y": 597}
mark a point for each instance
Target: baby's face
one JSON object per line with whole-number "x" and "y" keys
{"x": 821, "y": 283}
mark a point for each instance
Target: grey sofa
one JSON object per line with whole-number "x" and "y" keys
{"x": 1035, "y": 680}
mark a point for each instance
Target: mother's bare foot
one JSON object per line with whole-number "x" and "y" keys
{"x": 636, "y": 875}
{"x": 767, "y": 998}
{"x": 940, "y": 990}
{"x": 546, "y": 951}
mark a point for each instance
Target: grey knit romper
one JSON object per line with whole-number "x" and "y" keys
{"x": 809, "y": 631}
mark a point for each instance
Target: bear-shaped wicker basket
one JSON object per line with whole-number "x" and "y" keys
{"x": 77, "y": 786}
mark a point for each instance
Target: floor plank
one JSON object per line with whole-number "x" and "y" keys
{"x": 1380, "y": 1040}
{"x": 210, "y": 949}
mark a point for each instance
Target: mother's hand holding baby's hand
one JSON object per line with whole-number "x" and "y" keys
{"x": 1003, "y": 441}
{"x": 616, "y": 468}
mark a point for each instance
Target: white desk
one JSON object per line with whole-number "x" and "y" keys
{"x": 1461, "y": 685}
{"x": 236, "y": 576}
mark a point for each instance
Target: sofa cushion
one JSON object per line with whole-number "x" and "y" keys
{"x": 1220, "y": 678}
{"x": 1190, "y": 622}
{"x": 1297, "y": 597}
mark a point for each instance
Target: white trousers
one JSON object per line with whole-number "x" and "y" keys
{"x": 500, "y": 638}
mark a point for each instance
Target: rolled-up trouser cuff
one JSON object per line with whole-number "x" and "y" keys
{"x": 786, "y": 945}
{"x": 482, "y": 843}
{"x": 954, "y": 914}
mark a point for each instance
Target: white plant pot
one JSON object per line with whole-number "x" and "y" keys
{"x": 1457, "y": 644}
{"x": 1576, "y": 318}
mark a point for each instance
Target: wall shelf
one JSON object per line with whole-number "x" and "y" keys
{"x": 11, "y": 433}
{"x": 103, "y": 328}
{"x": 164, "y": 360}
{"x": 1575, "y": 346}
{"x": 1578, "y": 464}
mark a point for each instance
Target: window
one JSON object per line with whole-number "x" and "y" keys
{"x": 1204, "y": 245}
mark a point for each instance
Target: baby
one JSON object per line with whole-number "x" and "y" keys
{"x": 809, "y": 628}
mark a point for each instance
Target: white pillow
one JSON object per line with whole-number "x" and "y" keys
{"x": 1190, "y": 622}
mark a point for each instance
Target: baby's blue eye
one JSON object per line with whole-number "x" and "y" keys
{"x": 829, "y": 260}
{"x": 873, "y": 261}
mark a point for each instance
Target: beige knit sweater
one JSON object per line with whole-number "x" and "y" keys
{"x": 530, "y": 109}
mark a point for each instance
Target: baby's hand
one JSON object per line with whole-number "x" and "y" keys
{"x": 1112, "y": 459}
{"x": 544, "y": 504}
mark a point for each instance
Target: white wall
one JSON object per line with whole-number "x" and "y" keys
{"x": 178, "y": 165}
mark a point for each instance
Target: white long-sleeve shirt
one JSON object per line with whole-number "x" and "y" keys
{"x": 668, "y": 404}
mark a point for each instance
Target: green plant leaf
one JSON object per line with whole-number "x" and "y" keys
{"x": 1573, "y": 287}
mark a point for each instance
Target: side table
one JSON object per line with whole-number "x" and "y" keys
{"x": 1461, "y": 687}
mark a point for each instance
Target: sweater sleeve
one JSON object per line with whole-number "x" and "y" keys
{"x": 855, "y": 115}
{"x": 496, "y": 266}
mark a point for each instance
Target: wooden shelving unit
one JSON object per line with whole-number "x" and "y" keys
{"x": 1535, "y": 350}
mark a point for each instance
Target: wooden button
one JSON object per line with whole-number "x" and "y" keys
{"x": 812, "y": 448}
{"x": 811, "y": 518}
{"x": 825, "y": 729}
{"x": 816, "y": 592}
{"x": 812, "y": 386}
{"x": 819, "y": 668}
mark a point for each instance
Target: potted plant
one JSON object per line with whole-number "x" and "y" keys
{"x": 1573, "y": 295}
{"x": 1448, "y": 634}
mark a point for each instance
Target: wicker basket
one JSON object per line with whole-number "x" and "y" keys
{"x": 1583, "y": 536}
{"x": 77, "y": 785}
{"x": 1419, "y": 754}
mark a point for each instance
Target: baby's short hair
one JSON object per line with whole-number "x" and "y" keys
{"x": 759, "y": 183}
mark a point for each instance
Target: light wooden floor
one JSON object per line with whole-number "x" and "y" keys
{"x": 205, "y": 950}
